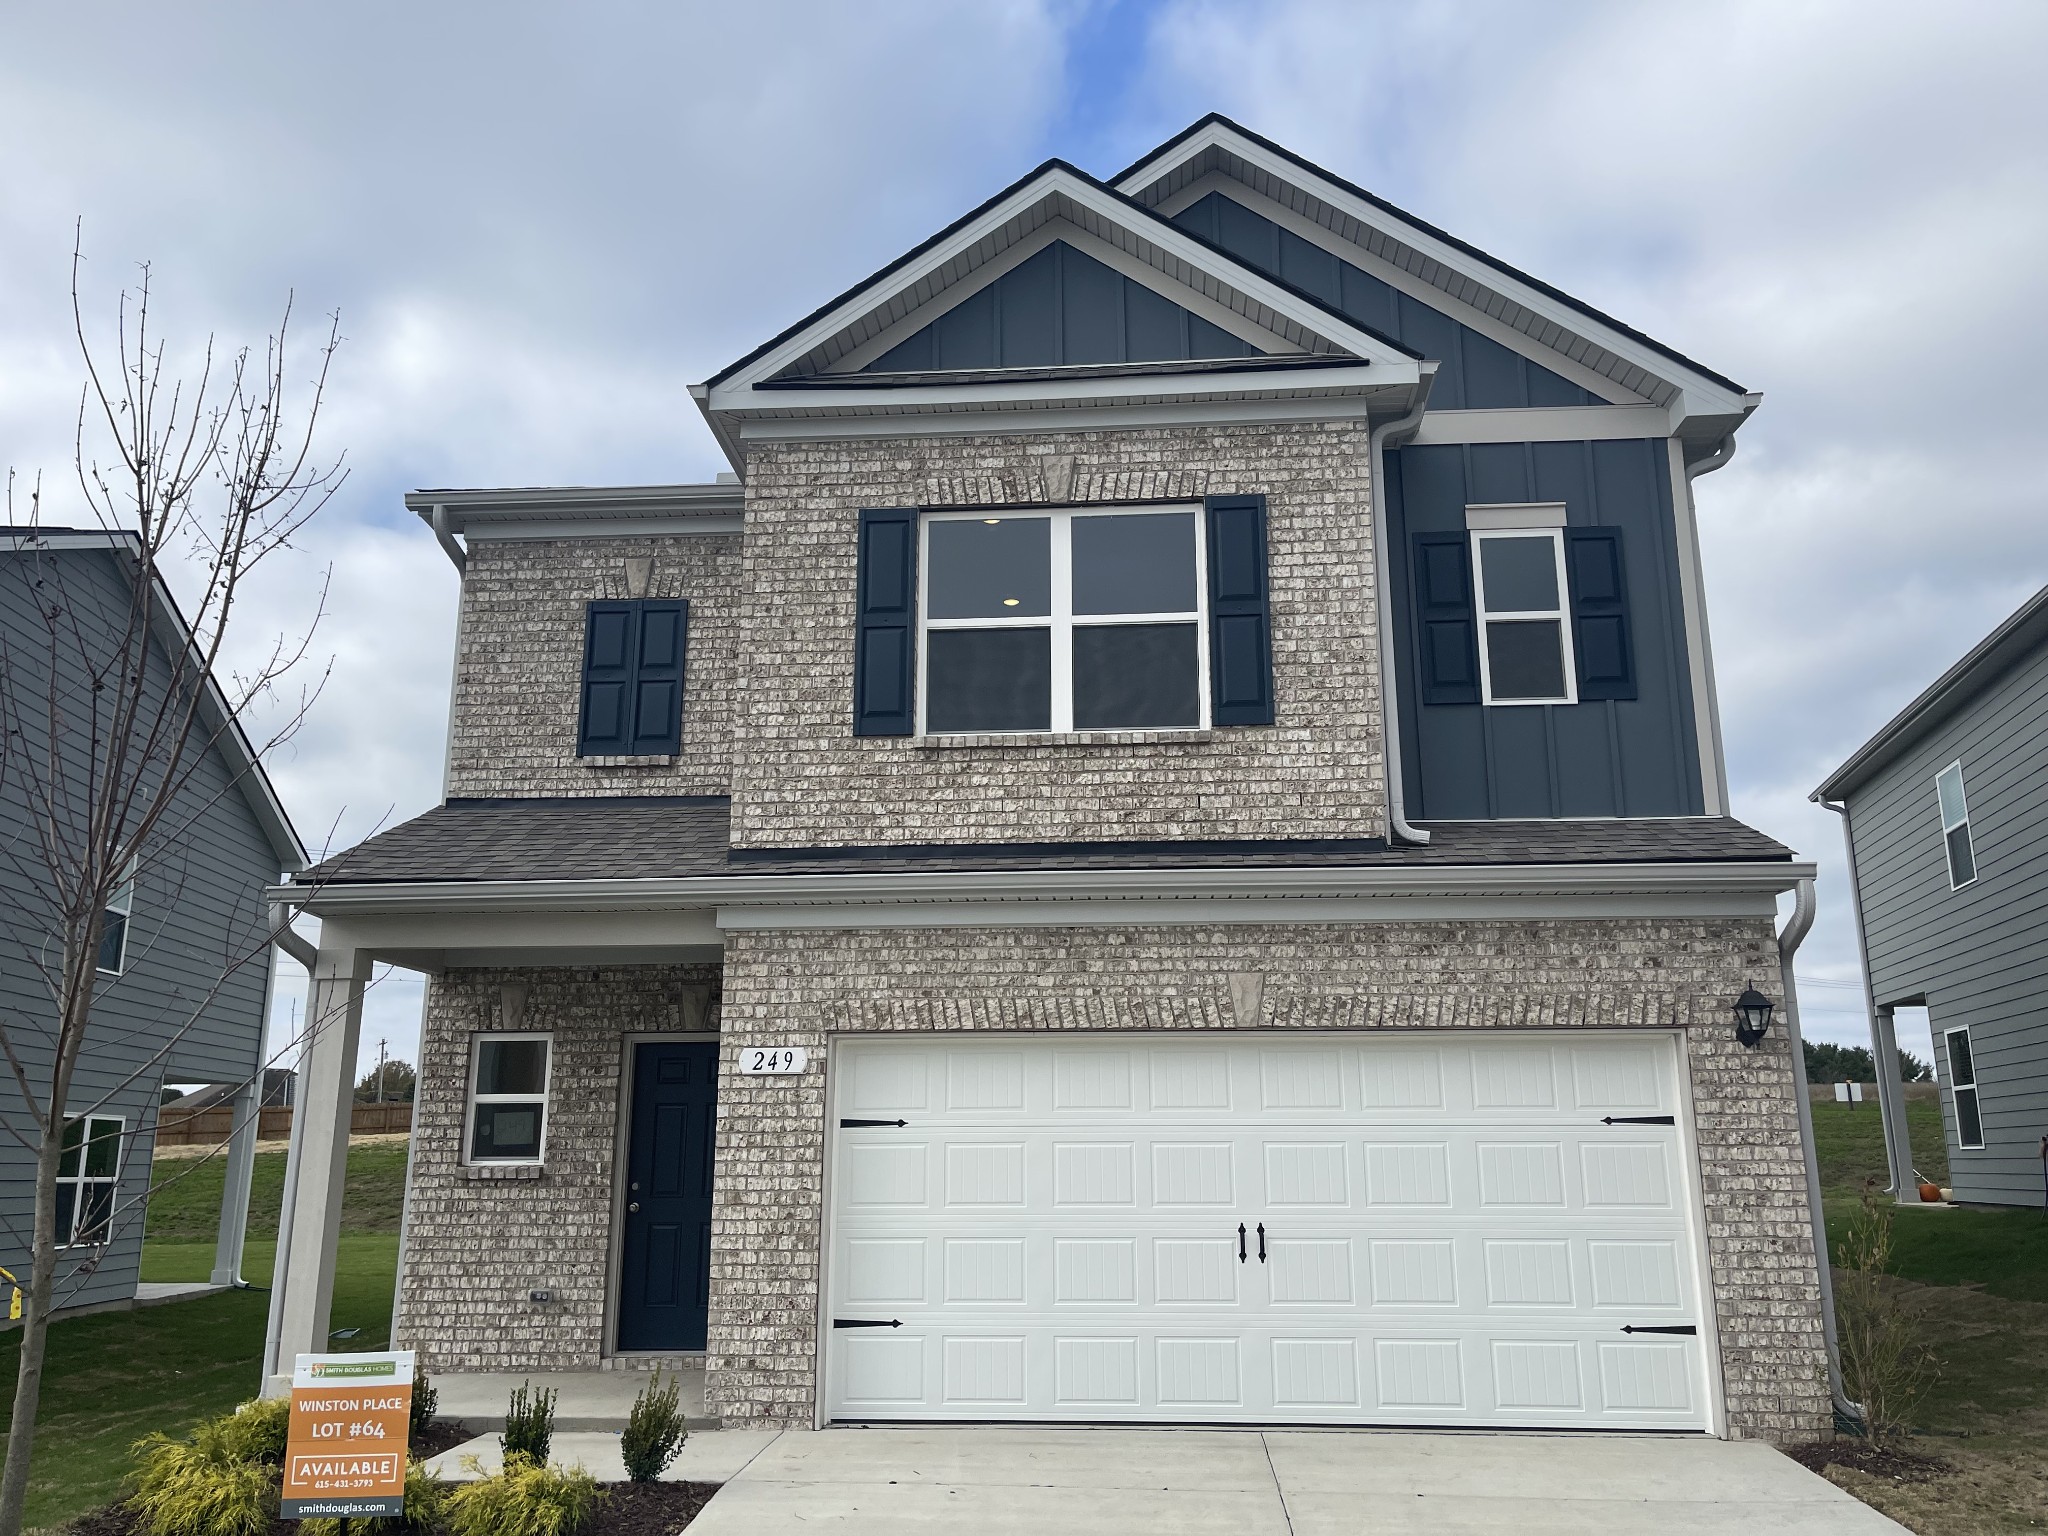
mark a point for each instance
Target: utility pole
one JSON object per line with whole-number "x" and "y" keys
{"x": 380, "y": 1070}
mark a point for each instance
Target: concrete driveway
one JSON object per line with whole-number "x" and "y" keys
{"x": 1077, "y": 1482}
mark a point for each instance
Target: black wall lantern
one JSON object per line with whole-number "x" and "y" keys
{"x": 1752, "y": 1016}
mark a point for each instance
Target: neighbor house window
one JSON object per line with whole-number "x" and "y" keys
{"x": 1955, "y": 826}
{"x": 1962, "y": 1088}
{"x": 1063, "y": 621}
{"x": 508, "y": 1098}
{"x": 1525, "y": 643}
{"x": 88, "y": 1168}
{"x": 114, "y": 925}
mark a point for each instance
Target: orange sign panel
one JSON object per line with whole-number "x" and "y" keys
{"x": 346, "y": 1451}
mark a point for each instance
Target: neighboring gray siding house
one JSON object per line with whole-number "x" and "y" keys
{"x": 1156, "y": 853}
{"x": 1945, "y": 816}
{"x": 178, "y": 998}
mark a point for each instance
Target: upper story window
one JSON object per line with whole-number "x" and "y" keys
{"x": 113, "y": 957}
{"x": 509, "y": 1078}
{"x": 1063, "y": 621}
{"x": 1525, "y": 643}
{"x": 1955, "y": 826}
{"x": 1962, "y": 1088}
{"x": 633, "y": 655}
{"x": 88, "y": 1171}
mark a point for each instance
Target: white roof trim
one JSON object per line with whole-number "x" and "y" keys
{"x": 1543, "y": 317}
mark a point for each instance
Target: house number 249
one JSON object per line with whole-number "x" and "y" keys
{"x": 771, "y": 1060}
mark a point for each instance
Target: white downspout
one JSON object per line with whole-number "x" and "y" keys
{"x": 1789, "y": 940}
{"x": 1398, "y": 828}
{"x": 1692, "y": 567}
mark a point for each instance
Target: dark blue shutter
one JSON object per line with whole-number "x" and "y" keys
{"x": 610, "y": 647}
{"x": 1445, "y": 638}
{"x": 1240, "y": 613}
{"x": 1600, "y": 632}
{"x": 885, "y": 636}
{"x": 658, "y": 676}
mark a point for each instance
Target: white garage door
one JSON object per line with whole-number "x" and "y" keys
{"x": 1492, "y": 1230}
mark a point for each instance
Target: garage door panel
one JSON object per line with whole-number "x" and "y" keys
{"x": 1434, "y": 1233}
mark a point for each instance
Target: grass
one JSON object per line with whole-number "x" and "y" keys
{"x": 113, "y": 1377}
{"x": 1978, "y": 1280}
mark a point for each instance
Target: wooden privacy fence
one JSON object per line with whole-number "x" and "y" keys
{"x": 212, "y": 1127}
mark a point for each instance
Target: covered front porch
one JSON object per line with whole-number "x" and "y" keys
{"x": 557, "y": 1212}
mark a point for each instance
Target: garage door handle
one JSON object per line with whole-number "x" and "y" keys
{"x": 1240, "y": 1242}
{"x": 854, "y": 1125}
{"x": 867, "y": 1322}
{"x": 1684, "y": 1328}
{"x": 1262, "y": 1242}
{"x": 1637, "y": 1120}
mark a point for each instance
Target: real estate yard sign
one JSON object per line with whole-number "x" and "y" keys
{"x": 350, "y": 1418}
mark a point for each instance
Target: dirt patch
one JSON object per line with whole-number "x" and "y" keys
{"x": 1894, "y": 1462}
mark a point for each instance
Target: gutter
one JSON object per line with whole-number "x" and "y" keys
{"x": 439, "y": 519}
{"x": 1398, "y": 827}
{"x": 1789, "y": 940}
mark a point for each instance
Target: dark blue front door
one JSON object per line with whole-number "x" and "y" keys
{"x": 665, "y": 1258}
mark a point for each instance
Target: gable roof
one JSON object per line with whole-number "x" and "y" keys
{"x": 243, "y": 763}
{"x": 1460, "y": 270}
{"x": 2018, "y": 638}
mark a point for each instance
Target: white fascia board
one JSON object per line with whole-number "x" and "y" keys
{"x": 606, "y": 528}
{"x": 1095, "y": 418}
{"x": 1545, "y": 424}
{"x": 481, "y": 513}
{"x": 737, "y": 391}
{"x": 1704, "y": 396}
{"x": 966, "y": 890}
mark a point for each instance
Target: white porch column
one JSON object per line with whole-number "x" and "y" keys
{"x": 1891, "y": 1104}
{"x": 234, "y": 1197}
{"x": 303, "y": 1288}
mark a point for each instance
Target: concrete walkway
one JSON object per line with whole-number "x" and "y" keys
{"x": 1079, "y": 1482}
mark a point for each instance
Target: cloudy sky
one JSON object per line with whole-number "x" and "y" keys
{"x": 539, "y": 223}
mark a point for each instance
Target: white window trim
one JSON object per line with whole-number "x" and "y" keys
{"x": 123, "y": 902}
{"x": 1562, "y": 613}
{"x": 1947, "y": 826}
{"x": 1062, "y": 619}
{"x": 1956, "y": 1088}
{"x": 545, "y": 1098}
{"x": 79, "y": 1180}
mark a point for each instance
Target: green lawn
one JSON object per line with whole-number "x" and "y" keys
{"x": 114, "y": 1377}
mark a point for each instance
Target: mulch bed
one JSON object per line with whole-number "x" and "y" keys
{"x": 440, "y": 1435}
{"x": 1899, "y": 1466}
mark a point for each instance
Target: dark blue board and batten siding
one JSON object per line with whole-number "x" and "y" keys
{"x": 1977, "y": 956}
{"x": 1465, "y": 761}
{"x": 1474, "y": 372}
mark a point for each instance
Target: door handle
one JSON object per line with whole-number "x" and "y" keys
{"x": 1262, "y": 1242}
{"x": 634, "y": 1206}
{"x": 1240, "y": 1242}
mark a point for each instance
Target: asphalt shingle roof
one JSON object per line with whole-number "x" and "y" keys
{"x": 597, "y": 838}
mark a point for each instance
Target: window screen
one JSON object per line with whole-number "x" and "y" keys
{"x": 508, "y": 1098}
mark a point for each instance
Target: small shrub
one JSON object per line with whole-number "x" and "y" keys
{"x": 1886, "y": 1364}
{"x": 257, "y": 1430}
{"x": 426, "y": 1508}
{"x": 654, "y": 1430}
{"x": 530, "y": 1424}
{"x": 425, "y": 1402}
{"x": 202, "y": 1485}
{"x": 526, "y": 1499}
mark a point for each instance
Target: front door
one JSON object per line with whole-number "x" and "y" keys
{"x": 665, "y": 1255}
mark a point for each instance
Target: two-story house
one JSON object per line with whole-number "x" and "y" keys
{"x": 185, "y": 967}
{"x": 1941, "y": 811}
{"x": 1157, "y": 853}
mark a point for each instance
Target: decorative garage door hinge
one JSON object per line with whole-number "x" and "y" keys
{"x": 1623, "y": 1120}
{"x": 867, "y": 1322}
{"x": 1684, "y": 1328}
{"x": 854, "y": 1125}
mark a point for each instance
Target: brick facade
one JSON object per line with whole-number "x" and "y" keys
{"x": 475, "y": 1246}
{"x": 799, "y": 988}
{"x": 806, "y": 781}
{"x": 519, "y": 666}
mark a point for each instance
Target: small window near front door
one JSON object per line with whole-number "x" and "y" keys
{"x": 508, "y": 1098}
{"x": 1962, "y": 1088}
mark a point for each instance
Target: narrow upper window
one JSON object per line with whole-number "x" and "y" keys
{"x": 88, "y": 1169}
{"x": 1063, "y": 621}
{"x": 1525, "y": 645}
{"x": 1955, "y": 826}
{"x": 633, "y": 655}
{"x": 1962, "y": 1088}
{"x": 508, "y": 1098}
{"x": 114, "y": 925}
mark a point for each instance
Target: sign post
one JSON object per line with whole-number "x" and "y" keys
{"x": 345, "y": 1455}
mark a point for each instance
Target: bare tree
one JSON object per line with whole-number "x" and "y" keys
{"x": 106, "y": 730}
